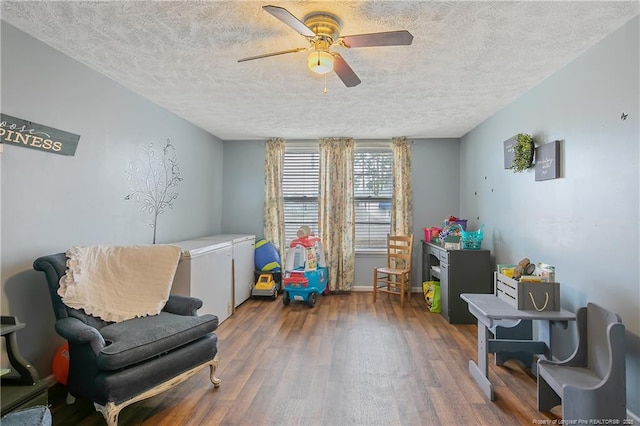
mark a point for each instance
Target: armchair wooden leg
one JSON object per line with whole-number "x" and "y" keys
{"x": 212, "y": 376}
{"x": 110, "y": 412}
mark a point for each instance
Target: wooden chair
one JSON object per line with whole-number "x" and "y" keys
{"x": 591, "y": 383}
{"x": 395, "y": 277}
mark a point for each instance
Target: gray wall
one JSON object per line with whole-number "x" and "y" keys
{"x": 586, "y": 222}
{"x": 50, "y": 202}
{"x": 436, "y": 178}
{"x": 243, "y": 193}
{"x": 436, "y": 181}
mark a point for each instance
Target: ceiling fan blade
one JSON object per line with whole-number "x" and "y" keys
{"x": 391, "y": 38}
{"x": 266, "y": 55}
{"x": 285, "y": 16}
{"x": 344, "y": 71}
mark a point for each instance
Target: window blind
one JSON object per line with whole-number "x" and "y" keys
{"x": 300, "y": 190}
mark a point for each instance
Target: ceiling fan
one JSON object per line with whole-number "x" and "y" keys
{"x": 322, "y": 30}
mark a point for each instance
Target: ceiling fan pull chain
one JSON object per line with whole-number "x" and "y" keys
{"x": 325, "y": 83}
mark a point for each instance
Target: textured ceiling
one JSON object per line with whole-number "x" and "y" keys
{"x": 467, "y": 60}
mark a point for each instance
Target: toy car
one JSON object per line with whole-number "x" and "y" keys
{"x": 265, "y": 286}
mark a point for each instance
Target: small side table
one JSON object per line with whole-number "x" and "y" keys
{"x": 26, "y": 390}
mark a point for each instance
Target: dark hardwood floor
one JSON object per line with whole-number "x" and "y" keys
{"x": 347, "y": 361}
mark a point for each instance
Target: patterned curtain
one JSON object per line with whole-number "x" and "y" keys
{"x": 402, "y": 206}
{"x": 336, "y": 214}
{"x": 273, "y": 201}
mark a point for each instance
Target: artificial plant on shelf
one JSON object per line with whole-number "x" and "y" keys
{"x": 152, "y": 179}
{"x": 523, "y": 153}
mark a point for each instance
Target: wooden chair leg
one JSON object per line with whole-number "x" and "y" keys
{"x": 388, "y": 285}
{"x": 375, "y": 284}
{"x": 401, "y": 291}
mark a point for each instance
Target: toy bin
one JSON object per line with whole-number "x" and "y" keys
{"x": 471, "y": 240}
{"x": 527, "y": 295}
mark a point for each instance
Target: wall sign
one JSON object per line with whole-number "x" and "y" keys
{"x": 27, "y": 134}
{"x": 548, "y": 161}
{"x": 509, "y": 154}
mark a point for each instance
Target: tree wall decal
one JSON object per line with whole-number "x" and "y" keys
{"x": 152, "y": 181}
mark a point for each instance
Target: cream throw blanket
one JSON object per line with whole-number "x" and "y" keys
{"x": 117, "y": 283}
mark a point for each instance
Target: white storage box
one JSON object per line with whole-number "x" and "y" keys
{"x": 527, "y": 295}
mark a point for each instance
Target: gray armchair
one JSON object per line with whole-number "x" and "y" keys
{"x": 117, "y": 364}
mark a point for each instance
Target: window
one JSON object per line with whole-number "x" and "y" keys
{"x": 300, "y": 190}
{"x": 373, "y": 196}
{"x": 373, "y": 192}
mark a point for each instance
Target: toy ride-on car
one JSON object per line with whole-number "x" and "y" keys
{"x": 305, "y": 273}
{"x": 304, "y": 285}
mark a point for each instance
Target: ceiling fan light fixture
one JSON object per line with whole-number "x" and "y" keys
{"x": 322, "y": 30}
{"x": 320, "y": 61}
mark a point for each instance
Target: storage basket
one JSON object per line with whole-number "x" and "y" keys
{"x": 527, "y": 295}
{"x": 472, "y": 240}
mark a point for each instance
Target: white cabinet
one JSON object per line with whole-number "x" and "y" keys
{"x": 205, "y": 272}
{"x": 243, "y": 252}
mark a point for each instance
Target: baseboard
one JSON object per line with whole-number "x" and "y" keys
{"x": 367, "y": 288}
{"x": 361, "y": 288}
{"x": 635, "y": 420}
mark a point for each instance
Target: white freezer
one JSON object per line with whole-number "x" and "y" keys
{"x": 205, "y": 272}
{"x": 243, "y": 248}
{"x": 235, "y": 238}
